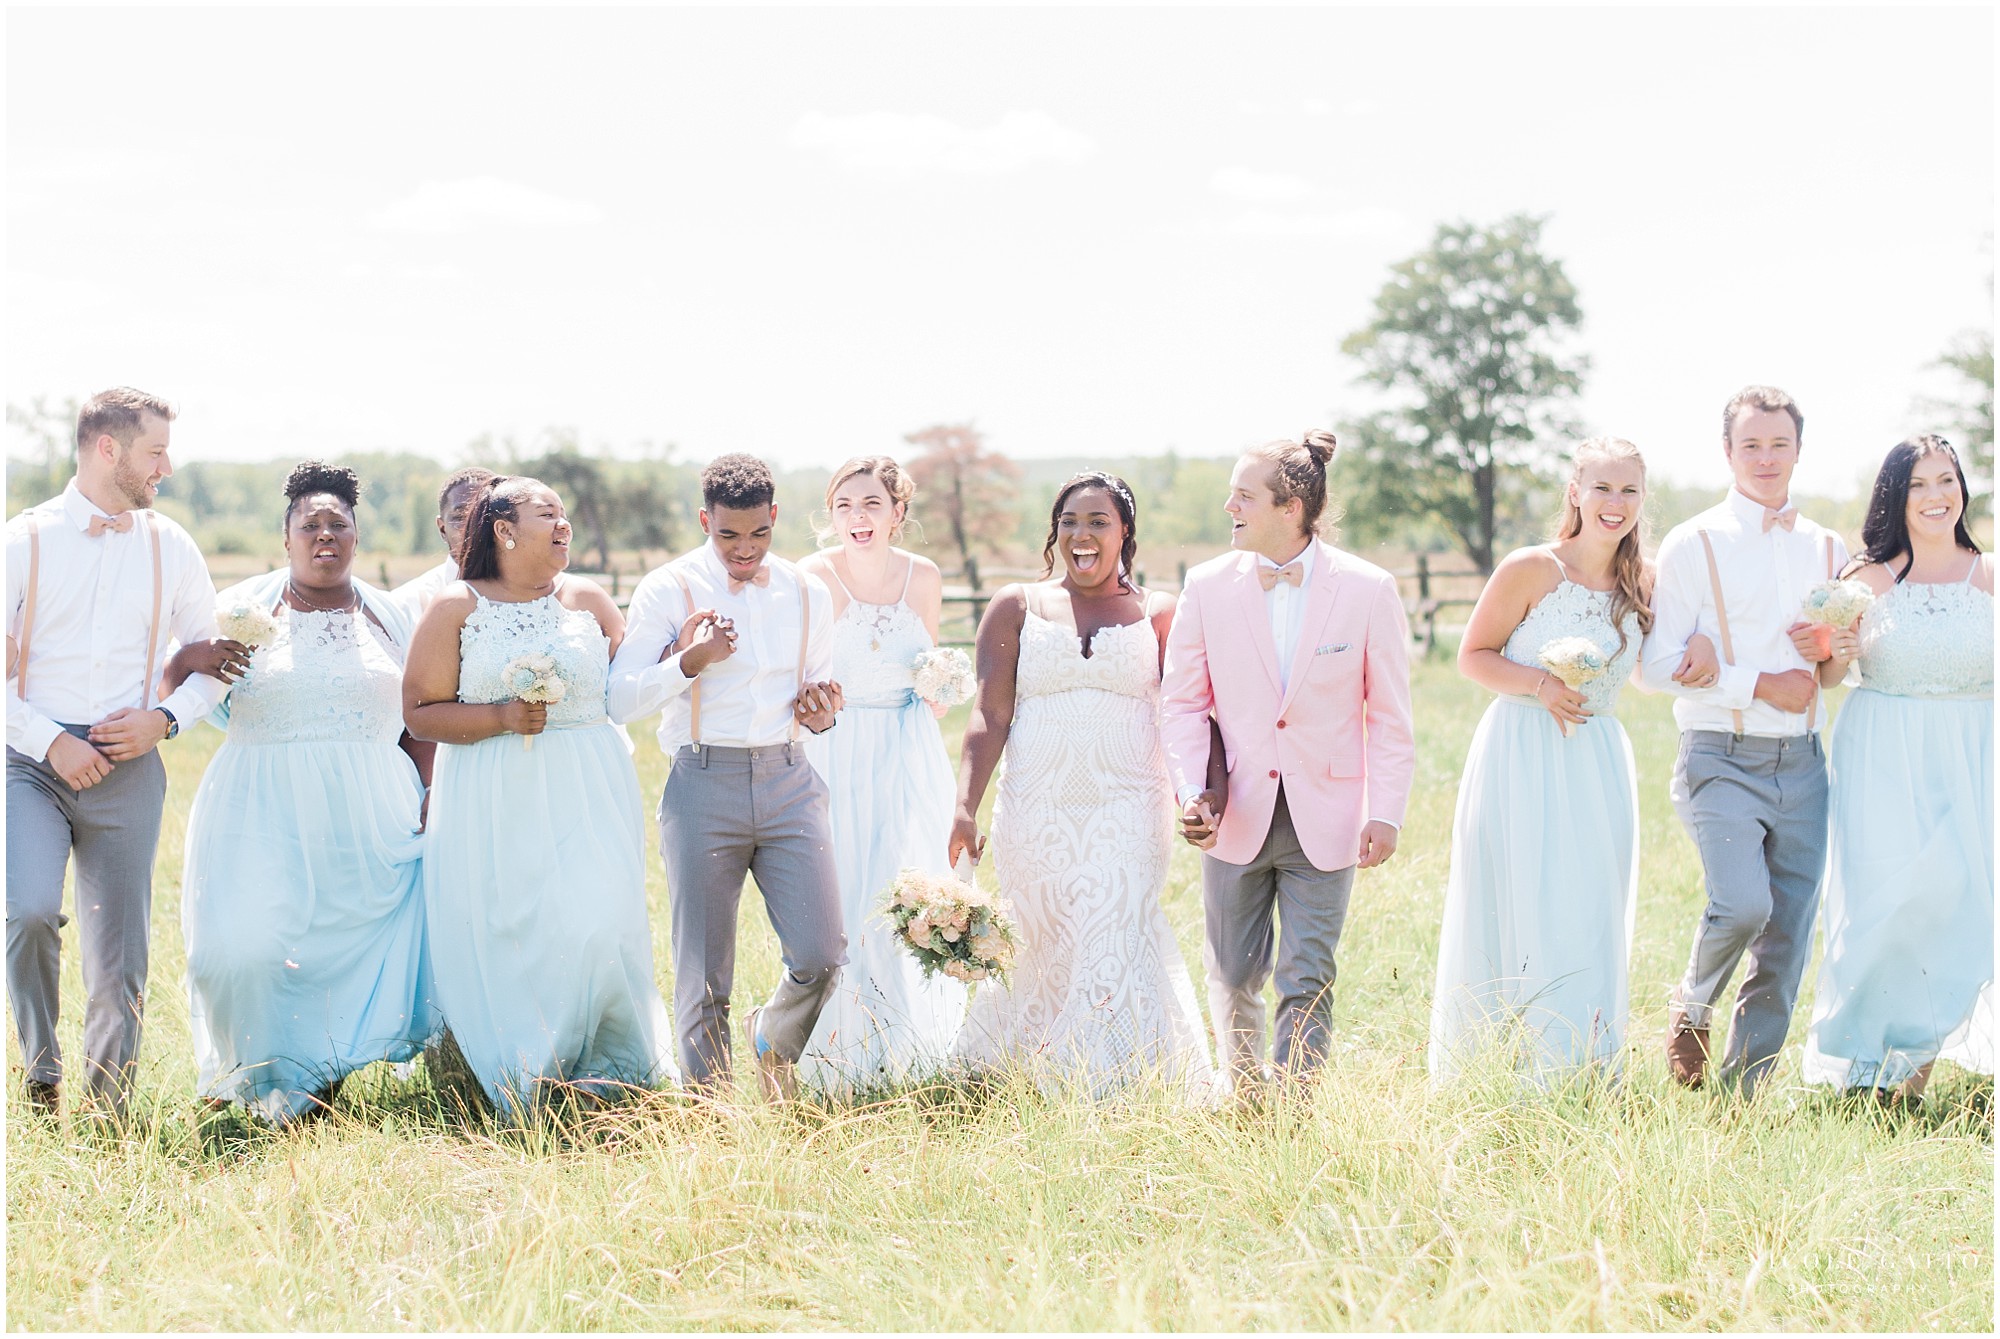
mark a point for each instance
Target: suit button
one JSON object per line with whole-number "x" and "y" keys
{"x": 1281, "y": 725}
{"x": 1274, "y": 775}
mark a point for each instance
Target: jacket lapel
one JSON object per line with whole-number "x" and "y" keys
{"x": 1250, "y": 600}
{"x": 1320, "y": 594}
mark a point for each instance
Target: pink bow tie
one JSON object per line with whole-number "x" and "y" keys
{"x": 761, "y": 577}
{"x": 122, "y": 523}
{"x": 1290, "y": 572}
{"x": 1788, "y": 518}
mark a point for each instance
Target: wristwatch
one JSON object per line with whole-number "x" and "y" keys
{"x": 173, "y": 723}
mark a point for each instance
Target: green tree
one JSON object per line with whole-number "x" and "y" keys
{"x": 1970, "y": 410}
{"x": 45, "y": 437}
{"x": 967, "y": 487}
{"x": 1468, "y": 338}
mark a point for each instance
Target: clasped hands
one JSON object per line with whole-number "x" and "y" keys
{"x": 1201, "y": 821}
{"x": 708, "y": 638}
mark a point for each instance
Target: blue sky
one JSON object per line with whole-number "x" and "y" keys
{"x": 806, "y": 233}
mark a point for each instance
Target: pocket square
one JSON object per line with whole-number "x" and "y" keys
{"x": 1330, "y": 648}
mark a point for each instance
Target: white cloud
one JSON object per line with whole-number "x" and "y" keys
{"x": 480, "y": 202}
{"x": 898, "y": 144}
{"x": 1344, "y": 225}
{"x": 1270, "y": 188}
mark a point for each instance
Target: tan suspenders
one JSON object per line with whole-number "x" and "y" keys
{"x": 805, "y": 637}
{"x": 34, "y": 585}
{"x": 1722, "y": 624}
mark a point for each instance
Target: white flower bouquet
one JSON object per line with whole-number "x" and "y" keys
{"x": 944, "y": 676}
{"x": 1837, "y": 604}
{"x": 951, "y": 927}
{"x": 247, "y": 622}
{"x": 533, "y": 678}
{"x": 1574, "y": 660}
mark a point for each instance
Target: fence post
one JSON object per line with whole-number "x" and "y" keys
{"x": 1423, "y": 576}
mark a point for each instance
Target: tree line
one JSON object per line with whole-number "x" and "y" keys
{"x": 1472, "y": 343}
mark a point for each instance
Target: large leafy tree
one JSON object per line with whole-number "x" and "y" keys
{"x": 1469, "y": 338}
{"x": 967, "y": 487}
{"x": 1970, "y": 409}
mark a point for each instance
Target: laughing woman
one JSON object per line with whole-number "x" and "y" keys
{"x": 1909, "y": 895}
{"x": 1069, "y": 691}
{"x": 533, "y": 875}
{"x": 890, "y": 780}
{"x": 1544, "y": 847}
{"x": 302, "y": 906}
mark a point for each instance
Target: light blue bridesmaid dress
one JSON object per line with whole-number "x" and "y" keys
{"x": 534, "y": 878}
{"x": 893, "y": 794}
{"x": 1909, "y": 892}
{"x": 301, "y": 905}
{"x": 1544, "y": 868}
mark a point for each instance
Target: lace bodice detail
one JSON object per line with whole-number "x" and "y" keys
{"x": 1931, "y": 640}
{"x": 326, "y": 677}
{"x": 1124, "y": 659}
{"x": 1571, "y": 610}
{"x": 496, "y": 632}
{"x": 874, "y": 649}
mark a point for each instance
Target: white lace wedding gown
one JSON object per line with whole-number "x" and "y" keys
{"x": 1082, "y": 827}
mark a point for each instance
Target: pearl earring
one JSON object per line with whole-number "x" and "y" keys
{"x": 510, "y": 543}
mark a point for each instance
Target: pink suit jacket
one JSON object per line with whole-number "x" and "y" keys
{"x": 1340, "y": 737}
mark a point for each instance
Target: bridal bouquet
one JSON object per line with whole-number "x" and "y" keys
{"x": 944, "y": 676}
{"x": 533, "y": 678}
{"x": 1837, "y": 604}
{"x": 246, "y": 621}
{"x": 1574, "y": 660}
{"x": 951, "y": 927}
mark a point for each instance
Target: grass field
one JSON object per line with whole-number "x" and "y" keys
{"x": 1378, "y": 1204}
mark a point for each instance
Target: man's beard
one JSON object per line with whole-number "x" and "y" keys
{"x": 128, "y": 480}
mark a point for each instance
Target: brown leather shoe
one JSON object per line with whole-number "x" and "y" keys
{"x": 1687, "y": 1052}
{"x": 44, "y": 1099}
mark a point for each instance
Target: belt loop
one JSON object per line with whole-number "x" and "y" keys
{"x": 701, "y": 752}
{"x": 789, "y": 757}
{"x": 1734, "y": 740}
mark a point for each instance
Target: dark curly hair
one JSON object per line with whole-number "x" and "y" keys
{"x": 737, "y": 481}
{"x": 313, "y": 476}
{"x": 1128, "y": 515}
{"x": 500, "y": 500}
{"x": 1885, "y": 534}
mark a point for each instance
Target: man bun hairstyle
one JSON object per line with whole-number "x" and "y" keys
{"x": 1768, "y": 398}
{"x": 120, "y": 412}
{"x": 1300, "y": 471}
{"x": 313, "y": 476}
{"x": 737, "y": 481}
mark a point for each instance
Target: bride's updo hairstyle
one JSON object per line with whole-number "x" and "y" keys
{"x": 1301, "y": 471}
{"x": 883, "y": 470}
{"x": 1128, "y": 516}
{"x": 500, "y": 500}
{"x": 1630, "y": 594}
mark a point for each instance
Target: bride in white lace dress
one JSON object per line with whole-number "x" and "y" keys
{"x": 1070, "y": 691}
{"x": 1544, "y": 849}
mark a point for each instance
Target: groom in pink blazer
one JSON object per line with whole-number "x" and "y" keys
{"x": 1300, "y": 653}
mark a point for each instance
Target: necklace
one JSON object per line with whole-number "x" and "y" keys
{"x": 347, "y": 606}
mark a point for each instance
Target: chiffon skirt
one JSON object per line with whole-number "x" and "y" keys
{"x": 534, "y": 879}
{"x": 1539, "y": 907}
{"x": 304, "y": 919}
{"x": 892, "y": 794}
{"x": 1909, "y": 891}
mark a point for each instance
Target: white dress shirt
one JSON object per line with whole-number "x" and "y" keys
{"x": 1286, "y": 606}
{"x": 1765, "y": 575}
{"x": 414, "y": 596}
{"x": 746, "y": 700}
{"x": 87, "y": 649}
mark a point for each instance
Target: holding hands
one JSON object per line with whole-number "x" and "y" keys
{"x": 705, "y": 638}
{"x": 817, "y": 704}
{"x": 1200, "y": 820}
